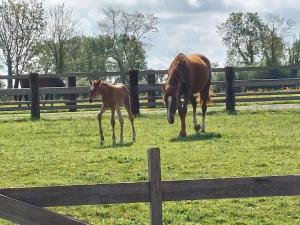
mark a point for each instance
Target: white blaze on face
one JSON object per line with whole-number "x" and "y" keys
{"x": 169, "y": 106}
{"x": 92, "y": 88}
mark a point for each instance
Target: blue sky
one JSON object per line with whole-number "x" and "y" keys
{"x": 184, "y": 25}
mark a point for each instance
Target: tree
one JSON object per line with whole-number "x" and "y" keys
{"x": 62, "y": 26}
{"x": 241, "y": 33}
{"x": 294, "y": 52}
{"x": 127, "y": 32}
{"x": 21, "y": 25}
{"x": 273, "y": 39}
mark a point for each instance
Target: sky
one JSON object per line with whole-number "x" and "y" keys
{"x": 187, "y": 26}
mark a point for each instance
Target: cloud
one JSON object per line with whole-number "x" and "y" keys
{"x": 184, "y": 25}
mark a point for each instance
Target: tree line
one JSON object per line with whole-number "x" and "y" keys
{"x": 255, "y": 41}
{"x": 50, "y": 41}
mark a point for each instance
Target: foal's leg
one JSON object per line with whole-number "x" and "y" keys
{"x": 112, "y": 122}
{"x": 194, "y": 104}
{"x": 121, "y": 120}
{"x": 130, "y": 116}
{"x": 102, "y": 110}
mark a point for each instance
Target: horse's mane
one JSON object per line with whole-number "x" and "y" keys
{"x": 179, "y": 61}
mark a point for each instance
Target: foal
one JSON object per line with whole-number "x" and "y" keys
{"x": 113, "y": 97}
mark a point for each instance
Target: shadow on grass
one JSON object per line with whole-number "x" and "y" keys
{"x": 117, "y": 145}
{"x": 197, "y": 137}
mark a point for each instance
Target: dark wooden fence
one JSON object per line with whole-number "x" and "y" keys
{"x": 145, "y": 92}
{"x": 24, "y": 205}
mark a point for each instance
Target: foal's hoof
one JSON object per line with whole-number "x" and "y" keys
{"x": 197, "y": 127}
{"x": 182, "y": 134}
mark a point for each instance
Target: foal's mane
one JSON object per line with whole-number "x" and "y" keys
{"x": 178, "y": 63}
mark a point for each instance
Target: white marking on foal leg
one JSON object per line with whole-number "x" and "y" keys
{"x": 169, "y": 107}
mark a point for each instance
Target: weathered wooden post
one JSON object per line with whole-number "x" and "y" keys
{"x": 229, "y": 83}
{"x": 134, "y": 91}
{"x": 72, "y": 97}
{"x": 151, "y": 94}
{"x": 35, "y": 96}
{"x": 155, "y": 186}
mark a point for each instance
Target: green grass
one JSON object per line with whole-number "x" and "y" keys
{"x": 63, "y": 149}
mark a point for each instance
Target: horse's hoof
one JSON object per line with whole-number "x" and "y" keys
{"x": 202, "y": 129}
{"x": 197, "y": 127}
{"x": 182, "y": 134}
{"x": 101, "y": 143}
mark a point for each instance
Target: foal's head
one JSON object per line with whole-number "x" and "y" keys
{"x": 94, "y": 90}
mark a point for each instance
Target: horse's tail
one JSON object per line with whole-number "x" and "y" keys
{"x": 207, "y": 92}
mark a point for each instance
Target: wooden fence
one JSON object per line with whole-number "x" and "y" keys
{"x": 148, "y": 93}
{"x": 24, "y": 205}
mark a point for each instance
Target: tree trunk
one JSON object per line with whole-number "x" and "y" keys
{"x": 10, "y": 73}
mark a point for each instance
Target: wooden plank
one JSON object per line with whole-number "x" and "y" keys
{"x": 268, "y": 99}
{"x": 155, "y": 186}
{"x": 26, "y": 214}
{"x": 14, "y": 102}
{"x": 21, "y": 91}
{"x": 221, "y": 188}
{"x": 262, "y": 68}
{"x": 64, "y": 90}
{"x": 5, "y": 77}
{"x": 14, "y": 108}
{"x": 81, "y": 194}
{"x": 267, "y": 82}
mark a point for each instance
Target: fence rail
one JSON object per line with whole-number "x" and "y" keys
{"x": 149, "y": 94}
{"x": 155, "y": 191}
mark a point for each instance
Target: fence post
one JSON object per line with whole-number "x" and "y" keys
{"x": 155, "y": 186}
{"x": 229, "y": 83}
{"x": 72, "y": 97}
{"x": 151, "y": 94}
{"x": 35, "y": 96}
{"x": 134, "y": 92}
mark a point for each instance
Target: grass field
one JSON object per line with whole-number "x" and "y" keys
{"x": 63, "y": 149}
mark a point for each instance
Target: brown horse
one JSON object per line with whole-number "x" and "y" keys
{"x": 113, "y": 97}
{"x": 188, "y": 75}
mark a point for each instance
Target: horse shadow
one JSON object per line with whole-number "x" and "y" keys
{"x": 197, "y": 137}
{"x": 116, "y": 145}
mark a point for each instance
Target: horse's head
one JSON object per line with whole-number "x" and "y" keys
{"x": 176, "y": 80}
{"x": 172, "y": 101}
{"x": 94, "y": 89}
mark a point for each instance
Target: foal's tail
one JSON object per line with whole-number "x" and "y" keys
{"x": 127, "y": 101}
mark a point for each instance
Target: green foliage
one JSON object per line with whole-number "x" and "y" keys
{"x": 63, "y": 149}
{"x": 128, "y": 32}
{"x": 241, "y": 33}
{"x": 21, "y": 26}
{"x": 251, "y": 40}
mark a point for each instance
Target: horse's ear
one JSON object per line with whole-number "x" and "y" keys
{"x": 164, "y": 87}
{"x": 98, "y": 82}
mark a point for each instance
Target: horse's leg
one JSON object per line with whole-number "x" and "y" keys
{"x": 194, "y": 104}
{"x": 130, "y": 116}
{"x": 100, "y": 125}
{"x": 113, "y": 122}
{"x": 182, "y": 114}
{"x": 121, "y": 120}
